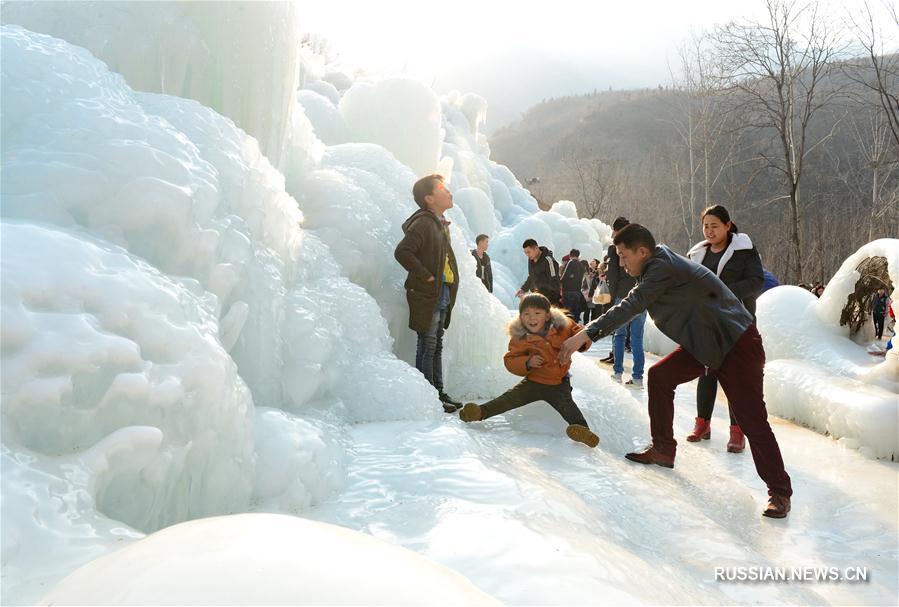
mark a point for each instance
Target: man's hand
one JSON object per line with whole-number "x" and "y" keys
{"x": 431, "y": 279}
{"x": 535, "y": 362}
{"x": 572, "y": 345}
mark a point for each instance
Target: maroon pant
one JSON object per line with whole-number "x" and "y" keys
{"x": 740, "y": 376}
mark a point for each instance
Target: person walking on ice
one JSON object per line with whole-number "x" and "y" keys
{"x": 717, "y": 336}
{"x": 535, "y": 338}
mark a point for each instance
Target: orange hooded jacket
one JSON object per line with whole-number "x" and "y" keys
{"x": 524, "y": 345}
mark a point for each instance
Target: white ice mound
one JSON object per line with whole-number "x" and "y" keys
{"x": 391, "y": 110}
{"x": 239, "y": 58}
{"x": 815, "y": 374}
{"x": 263, "y": 559}
{"x": 95, "y": 340}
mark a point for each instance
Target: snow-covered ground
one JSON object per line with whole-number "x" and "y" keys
{"x": 532, "y": 518}
{"x": 202, "y": 317}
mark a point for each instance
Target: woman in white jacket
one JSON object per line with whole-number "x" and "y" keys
{"x": 733, "y": 258}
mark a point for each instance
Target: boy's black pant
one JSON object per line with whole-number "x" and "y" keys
{"x": 526, "y": 392}
{"x": 878, "y": 325}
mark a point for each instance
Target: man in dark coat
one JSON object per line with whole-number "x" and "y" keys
{"x": 483, "y": 268}
{"x": 717, "y": 336}
{"x": 572, "y": 280}
{"x": 431, "y": 286}
{"x": 543, "y": 272}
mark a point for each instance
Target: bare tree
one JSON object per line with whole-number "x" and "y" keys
{"x": 776, "y": 74}
{"x": 700, "y": 125}
{"x": 880, "y": 71}
{"x": 873, "y": 137}
{"x": 595, "y": 181}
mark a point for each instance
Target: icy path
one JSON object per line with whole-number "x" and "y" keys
{"x": 532, "y": 518}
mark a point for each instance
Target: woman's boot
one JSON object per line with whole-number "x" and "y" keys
{"x": 702, "y": 430}
{"x": 737, "y": 441}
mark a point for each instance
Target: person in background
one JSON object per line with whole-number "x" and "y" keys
{"x": 483, "y": 269}
{"x": 717, "y": 336}
{"x": 879, "y": 311}
{"x": 770, "y": 280}
{"x": 543, "y": 273}
{"x": 572, "y": 280}
{"x": 588, "y": 288}
{"x": 620, "y": 284}
{"x": 426, "y": 254}
{"x": 603, "y": 308}
{"x": 818, "y": 290}
{"x": 731, "y": 256}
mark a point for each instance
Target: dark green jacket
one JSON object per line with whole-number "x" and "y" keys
{"x": 422, "y": 252}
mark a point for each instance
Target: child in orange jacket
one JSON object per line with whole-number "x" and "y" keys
{"x": 535, "y": 339}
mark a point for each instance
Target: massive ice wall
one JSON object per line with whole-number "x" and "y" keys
{"x": 157, "y": 278}
{"x": 238, "y": 58}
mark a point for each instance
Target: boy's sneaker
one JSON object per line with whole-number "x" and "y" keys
{"x": 634, "y": 382}
{"x": 582, "y": 434}
{"x": 616, "y": 377}
{"x": 471, "y": 412}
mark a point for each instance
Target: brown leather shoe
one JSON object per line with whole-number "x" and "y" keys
{"x": 651, "y": 456}
{"x": 582, "y": 434}
{"x": 471, "y": 412}
{"x": 778, "y": 506}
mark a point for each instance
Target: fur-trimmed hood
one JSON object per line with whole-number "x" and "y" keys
{"x": 557, "y": 321}
{"x": 523, "y": 346}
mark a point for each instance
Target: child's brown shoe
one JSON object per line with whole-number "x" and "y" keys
{"x": 582, "y": 434}
{"x": 471, "y": 412}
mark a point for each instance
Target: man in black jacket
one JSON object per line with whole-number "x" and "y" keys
{"x": 483, "y": 268}
{"x": 572, "y": 280}
{"x": 716, "y": 334}
{"x": 543, "y": 272}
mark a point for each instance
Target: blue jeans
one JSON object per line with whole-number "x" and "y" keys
{"x": 636, "y": 327}
{"x": 429, "y": 351}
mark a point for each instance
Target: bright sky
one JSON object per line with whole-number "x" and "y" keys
{"x": 515, "y": 53}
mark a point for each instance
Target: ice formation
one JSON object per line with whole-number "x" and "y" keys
{"x": 135, "y": 188}
{"x": 226, "y": 560}
{"x": 817, "y": 375}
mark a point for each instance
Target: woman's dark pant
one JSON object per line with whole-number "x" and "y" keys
{"x": 706, "y": 391}
{"x": 526, "y": 392}
{"x": 741, "y": 377}
{"x": 878, "y": 325}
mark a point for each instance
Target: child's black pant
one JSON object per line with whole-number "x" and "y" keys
{"x": 526, "y": 392}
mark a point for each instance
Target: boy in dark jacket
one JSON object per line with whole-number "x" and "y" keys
{"x": 535, "y": 338}
{"x": 716, "y": 334}
{"x": 543, "y": 273}
{"x": 483, "y": 269}
{"x": 431, "y": 286}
